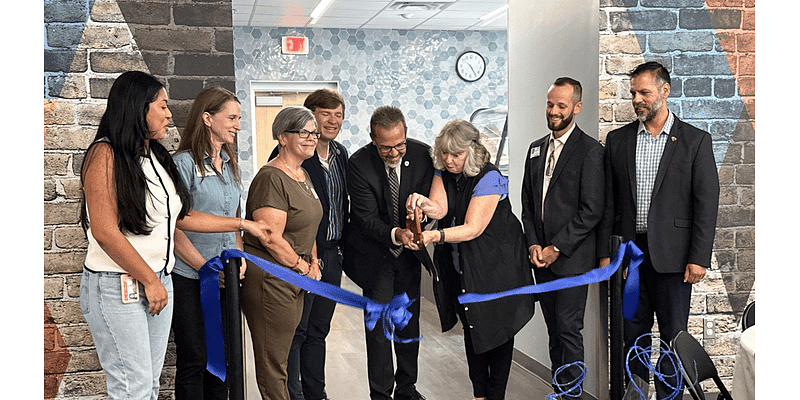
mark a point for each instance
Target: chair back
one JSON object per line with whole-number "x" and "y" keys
{"x": 696, "y": 363}
{"x": 749, "y": 316}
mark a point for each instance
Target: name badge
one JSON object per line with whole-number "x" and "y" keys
{"x": 129, "y": 287}
{"x": 535, "y": 152}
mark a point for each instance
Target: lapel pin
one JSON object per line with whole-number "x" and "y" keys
{"x": 405, "y": 163}
{"x": 673, "y": 138}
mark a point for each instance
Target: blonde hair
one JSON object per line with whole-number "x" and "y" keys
{"x": 456, "y": 136}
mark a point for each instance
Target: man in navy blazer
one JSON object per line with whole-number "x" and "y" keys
{"x": 663, "y": 193}
{"x": 375, "y": 256}
{"x": 327, "y": 170}
{"x": 563, "y": 200}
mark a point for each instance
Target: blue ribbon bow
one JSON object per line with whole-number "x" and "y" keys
{"x": 630, "y": 295}
{"x": 394, "y": 315}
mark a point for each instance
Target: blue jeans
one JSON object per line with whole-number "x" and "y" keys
{"x": 124, "y": 333}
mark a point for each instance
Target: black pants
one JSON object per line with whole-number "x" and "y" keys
{"x": 669, "y": 297}
{"x": 563, "y": 311}
{"x": 306, "y": 368}
{"x": 192, "y": 380}
{"x": 395, "y": 277}
{"x": 488, "y": 371}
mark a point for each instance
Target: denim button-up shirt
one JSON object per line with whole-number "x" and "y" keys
{"x": 211, "y": 194}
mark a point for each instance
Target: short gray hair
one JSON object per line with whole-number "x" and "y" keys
{"x": 459, "y": 135}
{"x": 291, "y": 118}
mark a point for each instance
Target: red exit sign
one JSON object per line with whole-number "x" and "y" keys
{"x": 294, "y": 45}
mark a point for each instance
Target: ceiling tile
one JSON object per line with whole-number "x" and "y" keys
{"x": 461, "y": 14}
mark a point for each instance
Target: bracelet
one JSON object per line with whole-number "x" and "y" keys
{"x": 441, "y": 236}
{"x": 241, "y": 224}
{"x": 296, "y": 267}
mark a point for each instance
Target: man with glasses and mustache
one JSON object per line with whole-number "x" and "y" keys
{"x": 662, "y": 192}
{"x": 563, "y": 197}
{"x": 380, "y": 177}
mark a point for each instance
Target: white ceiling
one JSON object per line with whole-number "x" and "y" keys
{"x": 371, "y": 14}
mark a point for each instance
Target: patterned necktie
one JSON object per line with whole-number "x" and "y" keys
{"x": 548, "y": 170}
{"x": 551, "y": 161}
{"x": 394, "y": 186}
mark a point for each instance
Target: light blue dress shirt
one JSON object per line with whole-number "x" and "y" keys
{"x": 213, "y": 194}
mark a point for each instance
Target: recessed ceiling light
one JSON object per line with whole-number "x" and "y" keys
{"x": 319, "y": 10}
{"x": 494, "y": 14}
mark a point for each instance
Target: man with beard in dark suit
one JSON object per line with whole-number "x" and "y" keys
{"x": 662, "y": 192}
{"x": 380, "y": 177}
{"x": 563, "y": 200}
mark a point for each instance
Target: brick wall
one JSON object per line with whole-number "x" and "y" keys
{"x": 709, "y": 48}
{"x": 88, "y": 43}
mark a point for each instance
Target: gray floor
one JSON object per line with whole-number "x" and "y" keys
{"x": 442, "y": 364}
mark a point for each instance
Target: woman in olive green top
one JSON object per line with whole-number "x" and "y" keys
{"x": 281, "y": 195}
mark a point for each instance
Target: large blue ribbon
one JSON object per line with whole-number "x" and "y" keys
{"x": 394, "y": 315}
{"x": 630, "y": 295}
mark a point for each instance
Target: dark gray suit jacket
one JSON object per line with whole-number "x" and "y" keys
{"x": 368, "y": 234}
{"x": 683, "y": 206}
{"x": 574, "y": 205}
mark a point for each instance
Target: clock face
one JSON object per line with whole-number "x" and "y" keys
{"x": 470, "y": 66}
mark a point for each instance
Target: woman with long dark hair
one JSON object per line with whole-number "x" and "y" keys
{"x": 206, "y": 161}
{"x": 134, "y": 199}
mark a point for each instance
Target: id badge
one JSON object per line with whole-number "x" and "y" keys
{"x": 130, "y": 288}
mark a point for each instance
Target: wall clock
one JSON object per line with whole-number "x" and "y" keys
{"x": 470, "y": 66}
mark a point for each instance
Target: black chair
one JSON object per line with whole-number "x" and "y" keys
{"x": 697, "y": 366}
{"x": 749, "y": 316}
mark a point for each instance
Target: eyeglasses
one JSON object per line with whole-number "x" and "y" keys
{"x": 304, "y": 134}
{"x": 386, "y": 149}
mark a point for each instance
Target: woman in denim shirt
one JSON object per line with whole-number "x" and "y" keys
{"x": 206, "y": 160}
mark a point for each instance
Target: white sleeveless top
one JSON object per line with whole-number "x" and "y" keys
{"x": 156, "y": 248}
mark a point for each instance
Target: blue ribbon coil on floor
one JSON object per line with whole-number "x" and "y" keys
{"x": 642, "y": 354}
{"x": 393, "y": 315}
{"x": 572, "y": 388}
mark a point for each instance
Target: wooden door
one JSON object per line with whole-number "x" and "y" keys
{"x": 272, "y": 103}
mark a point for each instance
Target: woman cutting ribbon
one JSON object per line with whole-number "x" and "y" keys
{"x": 480, "y": 248}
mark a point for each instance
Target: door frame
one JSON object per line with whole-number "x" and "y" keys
{"x": 278, "y": 86}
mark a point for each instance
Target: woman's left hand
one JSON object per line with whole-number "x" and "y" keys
{"x": 242, "y": 268}
{"x": 314, "y": 273}
{"x": 256, "y": 228}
